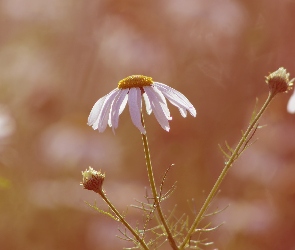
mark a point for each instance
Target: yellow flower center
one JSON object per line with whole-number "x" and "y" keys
{"x": 135, "y": 81}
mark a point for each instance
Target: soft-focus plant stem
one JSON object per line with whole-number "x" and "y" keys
{"x": 154, "y": 190}
{"x": 228, "y": 164}
{"x": 124, "y": 222}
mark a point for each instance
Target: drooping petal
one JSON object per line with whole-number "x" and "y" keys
{"x": 291, "y": 104}
{"x": 117, "y": 108}
{"x": 163, "y": 103}
{"x": 156, "y": 105}
{"x": 157, "y": 95}
{"x": 176, "y": 98}
{"x": 96, "y": 110}
{"x": 147, "y": 104}
{"x": 123, "y": 105}
{"x": 101, "y": 123}
{"x": 134, "y": 102}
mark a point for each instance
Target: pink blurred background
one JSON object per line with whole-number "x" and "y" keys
{"x": 58, "y": 57}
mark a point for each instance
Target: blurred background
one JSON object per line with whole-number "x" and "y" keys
{"x": 57, "y": 58}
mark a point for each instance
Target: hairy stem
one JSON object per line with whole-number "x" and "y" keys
{"x": 154, "y": 190}
{"x": 124, "y": 222}
{"x": 228, "y": 164}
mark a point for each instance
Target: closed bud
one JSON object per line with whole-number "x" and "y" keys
{"x": 279, "y": 82}
{"x": 93, "y": 180}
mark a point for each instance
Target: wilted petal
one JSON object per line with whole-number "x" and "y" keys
{"x": 291, "y": 104}
{"x": 176, "y": 98}
{"x": 134, "y": 102}
{"x": 157, "y": 108}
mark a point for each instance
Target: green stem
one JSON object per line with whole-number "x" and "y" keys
{"x": 227, "y": 166}
{"x": 154, "y": 190}
{"x": 124, "y": 222}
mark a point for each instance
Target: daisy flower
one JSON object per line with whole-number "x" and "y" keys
{"x": 106, "y": 110}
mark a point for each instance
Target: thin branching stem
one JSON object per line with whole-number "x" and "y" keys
{"x": 124, "y": 222}
{"x": 227, "y": 166}
{"x": 154, "y": 190}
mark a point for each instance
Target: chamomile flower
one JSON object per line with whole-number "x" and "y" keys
{"x": 106, "y": 110}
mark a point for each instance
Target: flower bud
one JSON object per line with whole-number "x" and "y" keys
{"x": 278, "y": 81}
{"x": 93, "y": 180}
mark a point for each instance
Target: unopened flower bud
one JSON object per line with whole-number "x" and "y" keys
{"x": 279, "y": 82}
{"x": 93, "y": 180}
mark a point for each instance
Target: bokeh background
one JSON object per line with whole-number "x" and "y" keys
{"x": 58, "y": 57}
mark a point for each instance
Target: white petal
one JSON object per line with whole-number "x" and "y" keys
{"x": 102, "y": 120}
{"x": 156, "y": 105}
{"x": 157, "y": 95}
{"x": 97, "y": 108}
{"x": 163, "y": 103}
{"x": 95, "y": 111}
{"x": 123, "y": 105}
{"x": 291, "y": 104}
{"x": 118, "y": 105}
{"x": 176, "y": 98}
{"x": 147, "y": 104}
{"x": 134, "y": 102}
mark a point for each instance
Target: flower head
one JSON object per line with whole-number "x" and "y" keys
{"x": 106, "y": 110}
{"x": 278, "y": 81}
{"x": 93, "y": 180}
